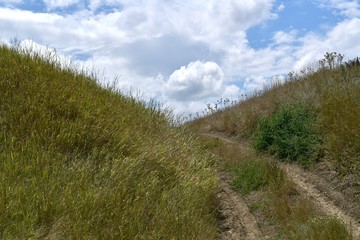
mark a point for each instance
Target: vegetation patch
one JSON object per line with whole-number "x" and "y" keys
{"x": 255, "y": 174}
{"x": 320, "y": 228}
{"x": 289, "y": 134}
{"x": 339, "y": 118}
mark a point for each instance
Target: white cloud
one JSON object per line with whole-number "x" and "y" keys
{"x": 196, "y": 81}
{"x": 17, "y": 17}
{"x": 343, "y": 38}
{"x": 281, "y": 37}
{"x": 348, "y": 8}
{"x": 281, "y": 7}
{"x": 255, "y": 83}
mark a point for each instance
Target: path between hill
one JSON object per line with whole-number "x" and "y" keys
{"x": 236, "y": 220}
{"x": 321, "y": 192}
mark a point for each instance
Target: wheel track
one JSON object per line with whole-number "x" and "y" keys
{"x": 308, "y": 189}
{"x": 300, "y": 178}
{"x": 243, "y": 224}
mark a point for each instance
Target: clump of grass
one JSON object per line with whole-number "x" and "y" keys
{"x": 255, "y": 174}
{"x": 289, "y": 134}
{"x": 250, "y": 176}
{"x": 320, "y": 228}
{"x": 78, "y": 161}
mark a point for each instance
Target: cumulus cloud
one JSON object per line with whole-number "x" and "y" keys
{"x": 196, "y": 81}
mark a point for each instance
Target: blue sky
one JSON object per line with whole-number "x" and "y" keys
{"x": 186, "y": 53}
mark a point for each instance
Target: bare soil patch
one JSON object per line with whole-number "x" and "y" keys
{"x": 236, "y": 220}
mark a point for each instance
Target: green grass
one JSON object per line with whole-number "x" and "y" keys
{"x": 255, "y": 174}
{"x": 78, "y": 161}
{"x": 323, "y": 228}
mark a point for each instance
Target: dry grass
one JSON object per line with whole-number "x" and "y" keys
{"x": 331, "y": 94}
{"x": 78, "y": 161}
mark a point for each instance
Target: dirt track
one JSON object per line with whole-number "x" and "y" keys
{"x": 323, "y": 200}
{"x": 238, "y": 223}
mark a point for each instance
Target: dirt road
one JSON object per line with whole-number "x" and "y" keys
{"x": 238, "y": 222}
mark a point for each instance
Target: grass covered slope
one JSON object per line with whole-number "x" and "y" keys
{"x": 81, "y": 162}
{"x": 313, "y": 116}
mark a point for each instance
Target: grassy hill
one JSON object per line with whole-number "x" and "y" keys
{"x": 78, "y": 161}
{"x": 311, "y": 120}
{"x": 314, "y": 116}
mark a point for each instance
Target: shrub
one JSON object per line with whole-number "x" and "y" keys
{"x": 289, "y": 134}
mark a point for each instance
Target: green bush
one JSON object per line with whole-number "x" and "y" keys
{"x": 289, "y": 134}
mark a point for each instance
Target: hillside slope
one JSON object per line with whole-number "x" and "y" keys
{"x": 314, "y": 114}
{"x": 81, "y": 162}
{"x": 291, "y": 152}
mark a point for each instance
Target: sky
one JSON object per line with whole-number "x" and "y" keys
{"x": 186, "y": 53}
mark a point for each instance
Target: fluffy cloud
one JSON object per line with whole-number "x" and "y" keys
{"x": 196, "y": 81}
{"x": 282, "y": 37}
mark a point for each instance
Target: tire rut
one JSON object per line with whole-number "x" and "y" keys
{"x": 306, "y": 184}
{"x": 301, "y": 179}
{"x": 238, "y": 222}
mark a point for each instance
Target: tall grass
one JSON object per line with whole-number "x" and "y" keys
{"x": 78, "y": 161}
{"x": 339, "y": 117}
{"x": 331, "y": 94}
